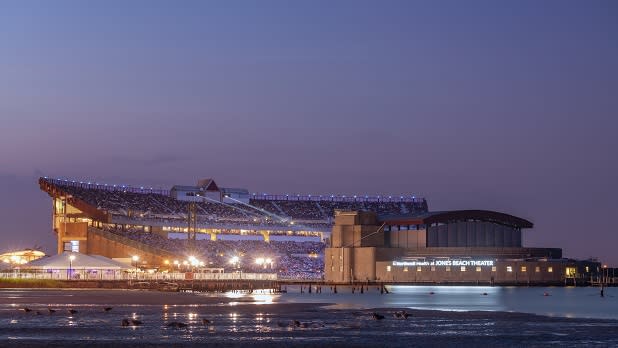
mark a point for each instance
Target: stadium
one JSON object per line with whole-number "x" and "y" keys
{"x": 310, "y": 237}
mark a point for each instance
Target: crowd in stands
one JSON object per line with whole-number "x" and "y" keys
{"x": 259, "y": 212}
{"x": 289, "y": 259}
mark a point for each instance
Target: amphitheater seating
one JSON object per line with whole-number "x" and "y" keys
{"x": 258, "y": 212}
{"x": 290, "y": 259}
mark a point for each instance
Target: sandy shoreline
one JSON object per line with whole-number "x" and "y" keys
{"x": 110, "y": 297}
{"x": 86, "y": 299}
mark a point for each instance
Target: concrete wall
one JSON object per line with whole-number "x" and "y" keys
{"x": 344, "y": 265}
{"x": 72, "y": 231}
{"x": 356, "y": 229}
{"x": 409, "y": 239}
{"x": 114, "y": 246}
{"x": 473, "y": 234}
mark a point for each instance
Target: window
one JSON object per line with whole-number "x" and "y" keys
{"x": 587, "y": 269}
{"x": 448, "y": 268}
{"x": 524, "y": 268}
{"x": 433, "y": 268}
{"x": 75, "y": 246}
{"x": 405, "y": 269}
{"x": 509, "y": 268}
{"x": 388, "y": 268}
{"x": 463, "y": 268}
{"x": 537, "y": 269}
{"x": 418, "y": 269}
{"x": 493, "y": 268}
{"x": 478, "y": 268}
{"x": 341, "y": 269}
{"x": 550, "y": 269}
{"x": 570, "y": 271}
{"x": 332, "y": 268}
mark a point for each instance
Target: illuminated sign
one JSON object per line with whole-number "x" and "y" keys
{"x": 445, "y": 263}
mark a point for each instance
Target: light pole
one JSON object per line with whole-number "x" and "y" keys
{"x": 269, "y": 262}
{"x": 71, "y": 258}
{"x": 235, "y": 260}
{"x": 193, "y": 261}
{"x": 135, "y": 259}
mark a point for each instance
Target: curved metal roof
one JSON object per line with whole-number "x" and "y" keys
{"x": 457, "y": 215}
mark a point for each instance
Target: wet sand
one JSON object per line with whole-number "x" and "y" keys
{"x": 258, "y": 320}
{"x": 110, "y": 297}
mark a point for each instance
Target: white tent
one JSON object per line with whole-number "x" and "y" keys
{"x": 80, "y": 262}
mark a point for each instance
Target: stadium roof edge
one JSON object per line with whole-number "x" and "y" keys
{"x": 456, "y": 215}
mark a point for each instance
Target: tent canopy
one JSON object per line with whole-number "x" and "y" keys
{"x": 80, "y": 261}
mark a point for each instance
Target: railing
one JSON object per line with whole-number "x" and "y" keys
{"x": 66, "y": 275}
{"x": 336, "y": 198}
{"x": 299, "y": 225}
{"x": 106, "y": 187}
{"x": 78, "y": 275}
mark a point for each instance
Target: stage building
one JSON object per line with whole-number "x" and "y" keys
{"x": 466, "y": 246}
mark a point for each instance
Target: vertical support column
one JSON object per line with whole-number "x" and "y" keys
{"x": 61, "y": 227}
{"x": 266, "y": 235}
{"x": 192, "y": 228}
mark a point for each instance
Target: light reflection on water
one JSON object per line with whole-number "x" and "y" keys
{"x": 260, "y": 296}
{"x": 583, "y": 302}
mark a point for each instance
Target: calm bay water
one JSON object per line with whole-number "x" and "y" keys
{"x": 441, "y": 316}
{"x": 569, "y": 302}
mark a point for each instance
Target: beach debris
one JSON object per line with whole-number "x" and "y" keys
{"x": 401, "y": 315}
{"x": 432, "y": 293}
{"x": 72, "y": 311}
{"x": 377, "y": 316}
{"x": 311, "y": 325}
{"x": 130, "y": 322}
{"x": 206, "y": 321}
{"x": 107, "y": 309}
{"x": 26, "y": 309}
{"x": 177, "y": 324}
{"x": 291, "y": 324}
{"x": 51, "y": 311}
{"x": 484, "y": 294}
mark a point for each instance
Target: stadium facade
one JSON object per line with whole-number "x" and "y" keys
{"x": 387, "y": 239}
{"x": 118, "y": 221}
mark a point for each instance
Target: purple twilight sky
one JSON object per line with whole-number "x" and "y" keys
{"x": 507, "y": 106}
